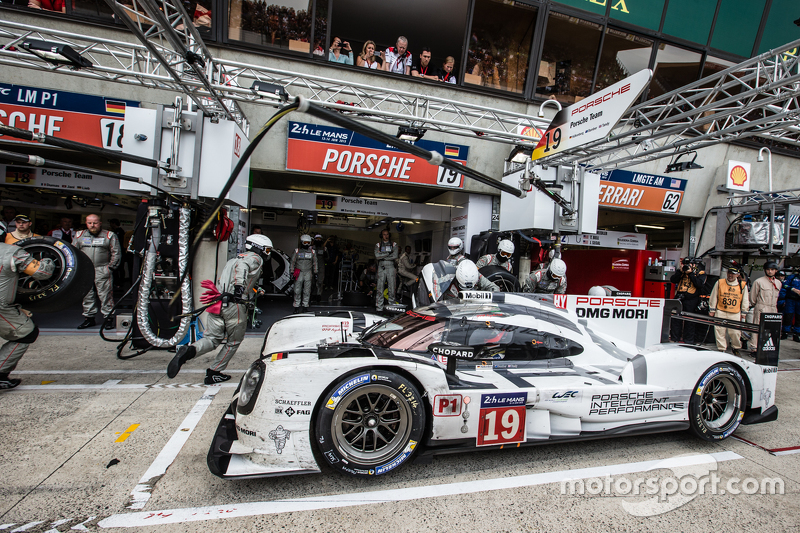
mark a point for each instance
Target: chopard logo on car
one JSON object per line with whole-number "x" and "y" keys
{"x": 344, "y": 389}
{"x": 460, "y": 352}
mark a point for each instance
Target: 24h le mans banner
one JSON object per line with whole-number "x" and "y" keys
{"x": 341, "y": 152}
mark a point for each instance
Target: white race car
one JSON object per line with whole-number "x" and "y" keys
{"x": 512, "y": 370}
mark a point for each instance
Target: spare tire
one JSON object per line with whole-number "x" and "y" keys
{"x": 72, "y": 278}
{"x": 501, "y": 277}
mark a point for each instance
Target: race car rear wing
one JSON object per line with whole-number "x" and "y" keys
{"x": 768, "y": 330}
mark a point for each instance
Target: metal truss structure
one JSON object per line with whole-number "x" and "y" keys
{"x": 758, "y": 97}
{"x": 172, "y": 56}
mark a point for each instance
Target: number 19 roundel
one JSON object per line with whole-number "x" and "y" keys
{"x": 502, "y": 418}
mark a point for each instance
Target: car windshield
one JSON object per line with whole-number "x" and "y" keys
{"x": 413, "y": 332}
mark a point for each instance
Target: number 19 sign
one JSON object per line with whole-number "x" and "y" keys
{"x": 502, "y": 418}
{"x": 591, "y": 118}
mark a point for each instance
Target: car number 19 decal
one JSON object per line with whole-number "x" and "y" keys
{"x": 502, "y": 418}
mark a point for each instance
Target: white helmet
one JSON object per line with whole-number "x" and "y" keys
{"x": 305, "y": 239}
{"x": 258, "y": 243}
{"x": 505, "y": 249}
{"x": 467, "y": 275}
{"x": 551, "y": 254}
{"x": 597, "y": 290}
{"x": 455, "y": 245}
{"x": 558, "y": 268}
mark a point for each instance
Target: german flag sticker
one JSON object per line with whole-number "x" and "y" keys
{"x": 113, "y": 106}
{"x": 451, "y": 151}
{"x": 279, "y": 355}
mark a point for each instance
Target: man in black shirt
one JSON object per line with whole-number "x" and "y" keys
{"x": 421, "y": 67}
{"x": 689, "y": 280}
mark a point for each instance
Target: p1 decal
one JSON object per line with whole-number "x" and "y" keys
{"x": 502, "y": 418}
{"x": 447, "y": 405}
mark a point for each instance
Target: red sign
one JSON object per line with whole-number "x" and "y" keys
{"x": 502, "y": 418}
{"x": 341, "y": 152}
{"x": 447, "y": 405}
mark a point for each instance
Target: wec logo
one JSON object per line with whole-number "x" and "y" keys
{"x": 568, "y": 394}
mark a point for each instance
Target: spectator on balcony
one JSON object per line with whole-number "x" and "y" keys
{"x": 49, "y": 5}
{"x": 421, "y": 68}
{"x": 368, "y": 59}
{"x": 488, "y": 71}
{"x": 340, "y": 51}
{"x": 397, "y": 58}
{"x": 445, "y": 73}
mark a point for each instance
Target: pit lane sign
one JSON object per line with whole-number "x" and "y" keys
{"x": 591, "y": 118}
{"x": 59, "y": 179}
{"x": 641, "y": 192}
{"x": 93, "y": 120}
{"x": 341, "y": 152}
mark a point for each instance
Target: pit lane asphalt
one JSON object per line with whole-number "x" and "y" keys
{"x": 59, "y": 434}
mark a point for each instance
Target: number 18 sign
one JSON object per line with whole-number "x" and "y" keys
{"x": 502, "y": 418}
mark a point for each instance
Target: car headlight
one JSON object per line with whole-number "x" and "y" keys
{"x": 251, "y": 384}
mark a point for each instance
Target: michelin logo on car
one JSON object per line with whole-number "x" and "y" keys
{"x": 344, "y": 389}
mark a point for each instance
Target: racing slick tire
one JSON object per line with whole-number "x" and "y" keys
{"x": 369, "y": 423}
{"x": 501, "y": 277}
{"x": 718, "y": 403}
{"x": 72, "y": 278}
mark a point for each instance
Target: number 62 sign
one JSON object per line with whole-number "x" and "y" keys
{"x": 502, "y": 418}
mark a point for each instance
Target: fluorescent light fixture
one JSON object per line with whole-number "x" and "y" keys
{"x": 270, "y": 90}
{"x": 520, "y": 154}
{"x": 57, "y": 54}
{"x": 442, "y": 205}
{"x": 649, "y": 227}
{"x": 404, "y": 133}
{"x": 385, "y": 199}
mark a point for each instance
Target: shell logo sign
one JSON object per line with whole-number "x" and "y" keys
{"x": 738, "y": 176}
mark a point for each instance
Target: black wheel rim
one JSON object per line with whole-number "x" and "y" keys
{"x": 371, "y": 425}
{"x": 720, "y": 402}
{"x": 27, "y": 284}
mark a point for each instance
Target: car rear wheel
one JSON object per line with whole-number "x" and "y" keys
{"x": 72, "y": 278}
{"x": 370, "y": 423}
{"x": 718, "y": 402}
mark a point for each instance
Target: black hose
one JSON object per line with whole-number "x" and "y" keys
{"x": 80, "y": 147}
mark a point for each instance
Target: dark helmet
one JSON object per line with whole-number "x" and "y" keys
{"x": 771, "y": 264}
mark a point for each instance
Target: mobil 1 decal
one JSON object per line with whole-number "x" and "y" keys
{"x": 591, "y": 118}
{"x": 502, "y": 418}
{"x": 342, "y": 152}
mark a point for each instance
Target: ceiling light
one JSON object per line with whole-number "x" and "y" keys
{"x": 441, "y": 205}
{"x": 648, "y": 227}
{"x": 270, "y": 90}
{"x": 404, "y": 133}
{"x": 520, "y": 154}
{"x": 57, "y": 54}
{"x": 384, "y": 199}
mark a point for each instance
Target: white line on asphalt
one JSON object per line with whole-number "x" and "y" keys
{"x": 26, "y": 527}
{"x": 195, "y": 514}
{"x": 78, "y": 372}
{"x": 141, "y": 493}
{"x": 119, "y": 387}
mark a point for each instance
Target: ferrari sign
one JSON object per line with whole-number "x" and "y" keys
{"x": 591, "y": 118}
{"x": 341, "y": 152}
{"x": 642, "y": 192}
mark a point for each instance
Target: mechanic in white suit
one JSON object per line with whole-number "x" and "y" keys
{"x": 505, "y": 249}
{"x": 468, "y": 279}
{"x": 304, "y": 260}
{"x": 385, "y": 255}
{"x": 729, "y": 299}
{"x": 238, "y": 278}
{"x": 552, "y": 280}
{"x": 455, "y": 248}
{"x": 104, "y": 249}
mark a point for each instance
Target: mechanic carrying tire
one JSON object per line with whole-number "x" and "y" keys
{"x": 73, "y": 276}
{"x": 16, "y": 325}
{"x": 236, "y": 285}
{"x": 505, "y": 280}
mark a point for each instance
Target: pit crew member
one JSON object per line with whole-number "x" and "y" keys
{"x": 385, "y": 255}
{"x": 236, "y": 284}
{"x": 455, "y": 246}
{"x": 305, "y": 268}
{"x": 468, "y": 279}
{"x": 764, "y": 297}
{"x": 16, "y": 325}
{"x": 104, "y": 249}
{"x": 505, "y": 249}
{"x": 729, "y": 299}
{"x": 552, "y": 280}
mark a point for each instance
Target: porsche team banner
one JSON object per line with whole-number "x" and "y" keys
{"x": 341, "y": 152}
{"x": 84, "y": 118}
{"x": 642, "y": 192}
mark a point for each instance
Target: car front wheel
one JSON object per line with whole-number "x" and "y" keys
{"x": 370, "y": 423}
{"x": 718, "y": 403}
